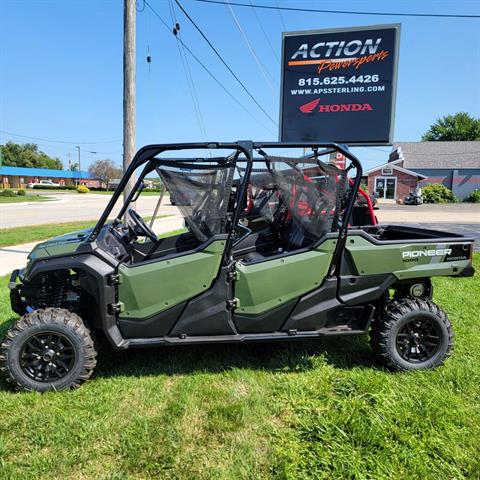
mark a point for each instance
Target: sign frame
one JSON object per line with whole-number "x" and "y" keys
{"x": 396, "y": 56}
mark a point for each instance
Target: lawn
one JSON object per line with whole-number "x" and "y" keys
{"x": 26, "y": 198}
{"x": 19, "y": 235}
{"x": 298, "y": 410}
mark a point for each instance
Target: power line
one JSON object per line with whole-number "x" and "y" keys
{"x": 265, "y": 33}
{"x": 60, "y": 148}
{"x": 278, "y": 8}
{"x": 58, "y": 141}
{"x": 259, "y": 63}
{"x": 224, "y": 62}
{"x": 188, "y": 72}
{"x": 220, "y": 84}
{"x": 343, "y": 12}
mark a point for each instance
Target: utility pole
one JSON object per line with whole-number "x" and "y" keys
{"x": 129, "y": 19}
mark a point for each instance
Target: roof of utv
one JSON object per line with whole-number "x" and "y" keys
{"x": 246, "y": 148}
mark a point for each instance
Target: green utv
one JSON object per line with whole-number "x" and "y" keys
{"x": 274, "y": 248}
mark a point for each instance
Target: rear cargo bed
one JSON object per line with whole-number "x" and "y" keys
{"x": 401, "y": 233}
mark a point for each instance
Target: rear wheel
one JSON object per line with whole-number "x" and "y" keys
{"x": 49, "y": 349}
{"x": 412, "y": 334}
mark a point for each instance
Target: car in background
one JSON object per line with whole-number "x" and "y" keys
{"x": 43, "y": 183}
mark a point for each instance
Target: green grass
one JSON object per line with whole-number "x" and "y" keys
{"x": 299, "y": 410}
{"x": 19, "y": 235}
{"x": 26, "y": 198}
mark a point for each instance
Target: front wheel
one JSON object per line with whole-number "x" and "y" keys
{"x": 412, "y": 334}
{"x": 49, "y": 349}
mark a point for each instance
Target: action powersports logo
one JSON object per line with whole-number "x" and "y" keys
{"x": 316, "y": 106}
{"x": 330, "y": 56}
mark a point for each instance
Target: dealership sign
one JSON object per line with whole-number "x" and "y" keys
{"x": 339, "y": 85}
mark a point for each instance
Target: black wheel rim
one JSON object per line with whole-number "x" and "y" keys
{"x": 418, "y": 340}
{"x": 47, "y": 356}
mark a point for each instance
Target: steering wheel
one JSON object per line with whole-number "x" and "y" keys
{"x": 139, "y": 222}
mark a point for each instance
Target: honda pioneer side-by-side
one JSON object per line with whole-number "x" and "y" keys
{"x": 275, "y": 247}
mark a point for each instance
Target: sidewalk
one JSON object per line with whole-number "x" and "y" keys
{"x": 15, "y": 256}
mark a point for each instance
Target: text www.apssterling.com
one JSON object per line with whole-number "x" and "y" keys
{"x": 316, "y": 91}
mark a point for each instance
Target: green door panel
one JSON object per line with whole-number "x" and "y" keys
{"x": 370, "y": 259}
{"x": 269, "y": 284}
{"x": 148, "y": 289}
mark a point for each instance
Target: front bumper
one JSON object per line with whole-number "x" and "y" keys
{"x": 16, "y": 302}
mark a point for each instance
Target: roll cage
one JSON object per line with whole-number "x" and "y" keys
{"x": 243, "y": 151}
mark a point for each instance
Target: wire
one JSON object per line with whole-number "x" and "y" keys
{"x": 343, "y": 12}
{"x": 58, "y": 141}
{"x": 59, "y": 148}
{"x": 225, "y": 89}
{"x": 279, "y": 10}
{"x": 265, "y": 33}
{"x": 224, "y": 62}
{"x": 188, "y": 73}
{"x": 259, "y": 63}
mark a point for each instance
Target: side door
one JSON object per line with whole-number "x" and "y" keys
{"x": 268, "y": 285}
{"x": 174, "y": 285}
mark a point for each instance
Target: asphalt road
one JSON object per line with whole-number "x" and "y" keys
{"x": 71, "y": 207}
{"x": 461, "y": 218}
{"x": 452, "y": 213}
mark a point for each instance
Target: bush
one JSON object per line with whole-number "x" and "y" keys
{"x": 8, "y": 192}
{"x": 474, "y": 196}
{"x": 364, "y": 187}
{"x": 437, "y": 193}
{"x": 21, "y": 192}
{"x": 153, "y": 189}
{"x": 83, "y": 189}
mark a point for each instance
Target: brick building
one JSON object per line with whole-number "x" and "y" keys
{"x": 16, "y": 177}
{"x": 454, "y": 164}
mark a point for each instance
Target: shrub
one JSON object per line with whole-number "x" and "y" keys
{"x": 83, "y": 189}
{"x": 21, "y": 192}
{"x": 153, "y": 189}
{"x": 437, "y": 193}
{"x": 8, "y": 192}
{"x": 474, "y": 196}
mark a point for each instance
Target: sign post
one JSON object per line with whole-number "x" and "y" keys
{"x": 339, "y": 85}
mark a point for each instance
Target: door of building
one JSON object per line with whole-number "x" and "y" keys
{"x": 385, "y": 187}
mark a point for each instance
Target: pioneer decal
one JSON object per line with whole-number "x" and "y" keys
{"x": 339, "y": 85}
{"x": 439, "y": 252}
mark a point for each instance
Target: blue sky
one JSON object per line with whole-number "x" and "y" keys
{"x": 61, "y": 70}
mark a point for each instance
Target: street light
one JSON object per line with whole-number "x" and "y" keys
{"x": 79, "y": 164}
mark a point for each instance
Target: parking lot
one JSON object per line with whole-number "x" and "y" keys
{"x": 69, "y": 207}
{"x": 461, "y": 218}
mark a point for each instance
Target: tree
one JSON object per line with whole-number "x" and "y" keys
{"x": 458, "y": 127}
{"x": 27, "y": 155}
{"x": 105, "y": 170}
